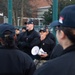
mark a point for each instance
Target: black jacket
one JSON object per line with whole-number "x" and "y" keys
{"x": 28, "y": 40}
{"x": 52, "y": 37}
{"x": 47, "y": 45}
{"x": 57, "y": 51}
{"x": 63, "y": 65}
{"x": 15, "y": 62}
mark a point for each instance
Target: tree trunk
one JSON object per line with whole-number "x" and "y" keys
{"x": 14, "y": 20}
{"x": 22, "y": 13}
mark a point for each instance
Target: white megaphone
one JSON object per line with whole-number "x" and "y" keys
{"x": 35, "y": 50}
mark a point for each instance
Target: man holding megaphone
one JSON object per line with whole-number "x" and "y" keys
{"x": 45, "y": 48}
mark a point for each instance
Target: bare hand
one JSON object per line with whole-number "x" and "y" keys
{"x": 44, "y": 55}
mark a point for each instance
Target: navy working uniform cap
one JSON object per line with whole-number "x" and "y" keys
{"x": 6, "y": 27}
{"x": 30, "y": 22}
{"x": 42, "y": 29}
{"x": 66, "y": 18}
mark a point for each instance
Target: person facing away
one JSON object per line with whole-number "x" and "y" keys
{"x": 29, "y": 39}
{"x": 65, "y": 33}
{"x": 13, "y": 61}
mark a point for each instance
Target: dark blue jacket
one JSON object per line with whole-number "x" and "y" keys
{"x": 52, "y": 37}
{"x": 47, "y": 45}
{"x": 63, "y": 65}
{"x": 57, "y": 51}
{"x": 28, "y": 40}
{"x": 15, "y": 62}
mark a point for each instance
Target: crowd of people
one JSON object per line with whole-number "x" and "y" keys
{"x": 51, "y": 59}
{"x": 29, "y": 37}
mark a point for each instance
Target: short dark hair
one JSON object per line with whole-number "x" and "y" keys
{"x": 8, "y": 39}
{"x": 25, "y": 23}
{"x": 69, "y": 32}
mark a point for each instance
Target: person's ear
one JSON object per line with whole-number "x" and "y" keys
{"x": 62, "y": 35}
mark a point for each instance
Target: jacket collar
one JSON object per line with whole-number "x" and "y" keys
{"x": 69, "y": 49}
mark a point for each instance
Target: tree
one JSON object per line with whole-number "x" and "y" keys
{"x": 61, "y": 4}
{"x": 48, "y": 16}
{"x": 3, "y": 7}
{"x": 21, "y": 8}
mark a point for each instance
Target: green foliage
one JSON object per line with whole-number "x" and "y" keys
{"x": 48, "y": 16}
{"x": 61, "y": 4}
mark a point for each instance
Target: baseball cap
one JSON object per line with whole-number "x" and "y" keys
{"x": 6, "y": 27}
{"x": 66, "y": 18}
{"x": 30, "y": 22}
{"x": 42, "y": 29}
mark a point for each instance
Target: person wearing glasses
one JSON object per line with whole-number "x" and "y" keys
{"x": 65, "y": 33}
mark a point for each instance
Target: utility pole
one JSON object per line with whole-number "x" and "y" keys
{"x": 55, "y": 14}
{"x": 55, "y": 10}
{"x": 10, "y": 11}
